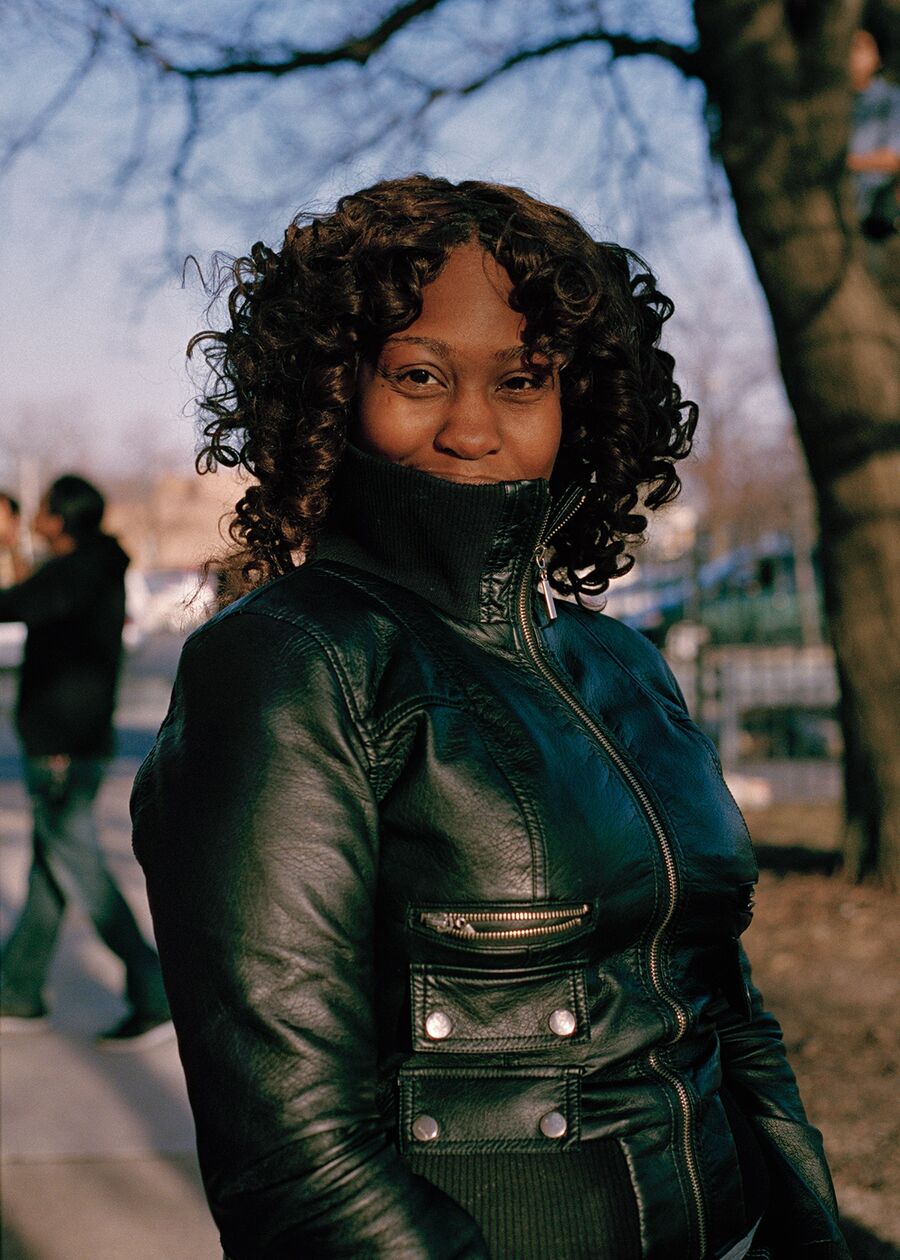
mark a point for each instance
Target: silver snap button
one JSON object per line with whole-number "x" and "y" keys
{"x": 425, "y": 1128}
{"x": 553, "y": 1125}
{"x": 438, "y": 1026}
{"x": 563, "y": 1023}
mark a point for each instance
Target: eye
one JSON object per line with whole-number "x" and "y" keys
{"x": 412, "y": 379}
{"x": 524, "y": 382}
{"x": 416, "y": 376}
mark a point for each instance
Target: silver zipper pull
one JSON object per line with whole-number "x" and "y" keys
{"x": 444, "y": 922}
{"x": 546, "y": 588}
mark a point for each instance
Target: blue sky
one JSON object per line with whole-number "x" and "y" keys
{"x": 95, "y": 328}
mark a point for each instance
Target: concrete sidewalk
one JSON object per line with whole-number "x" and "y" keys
{"x": 97, "y": 1149}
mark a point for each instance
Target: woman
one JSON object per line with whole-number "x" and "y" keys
{"x": 446, "y": 884}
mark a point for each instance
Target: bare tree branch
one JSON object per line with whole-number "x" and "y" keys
{"x": 684, "y": 59}
{"x": 42, "y": 120}
{"x": 189, "y": 137}
{"x": 137, "y": 150}
{"x": 358, "y": 49}
{"x": 642, "y": 148}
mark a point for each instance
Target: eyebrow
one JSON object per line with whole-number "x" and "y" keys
{"x": 441, "y": 347}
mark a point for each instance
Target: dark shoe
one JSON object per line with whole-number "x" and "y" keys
{"x": 137, "y": 1032}
{"x": 20, "y": 1019}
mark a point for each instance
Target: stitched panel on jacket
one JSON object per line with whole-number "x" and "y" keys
{"x": 455, "y": 1010}
{"x": 489, "y": 1109}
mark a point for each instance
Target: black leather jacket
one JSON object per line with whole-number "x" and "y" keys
{"x": 74, "y": 608}
{"x": 431, "y": 874}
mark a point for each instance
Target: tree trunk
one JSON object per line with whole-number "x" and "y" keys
{"x": 776, "y": 72}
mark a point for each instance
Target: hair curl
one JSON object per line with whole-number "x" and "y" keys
{"x": 280, "y": 396}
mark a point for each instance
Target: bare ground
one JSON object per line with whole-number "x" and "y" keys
{"x": 825, "y": 955}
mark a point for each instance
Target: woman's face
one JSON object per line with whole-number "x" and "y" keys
{"x": 453, "y": 395}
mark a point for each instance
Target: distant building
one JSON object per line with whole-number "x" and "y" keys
{"x": 174, "y": 522}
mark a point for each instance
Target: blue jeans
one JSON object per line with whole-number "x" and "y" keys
{"x": 67, "y": 863}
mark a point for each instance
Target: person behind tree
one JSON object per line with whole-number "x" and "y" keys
{"x": 874, "y": 157}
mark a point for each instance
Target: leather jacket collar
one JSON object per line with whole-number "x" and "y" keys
{"x": 463, "y": 548}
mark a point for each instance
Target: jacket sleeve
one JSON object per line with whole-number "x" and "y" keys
{"x": 801, "y": 1222}
{"x": 47, "y": 595}
{"x": 257, "y": 827}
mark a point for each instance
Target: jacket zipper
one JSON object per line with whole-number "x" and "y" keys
{"x": 540, "y": 662}
{"x": 569, "y": 506}
{"x": 465, "y": 925}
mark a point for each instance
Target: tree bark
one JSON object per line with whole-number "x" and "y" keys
{"x": 776, "y": 72}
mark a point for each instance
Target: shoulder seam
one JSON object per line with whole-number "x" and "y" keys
{"x": 655, "y": 696}
{"x": 530, "y": 817}
{"x": 302, "y": 626}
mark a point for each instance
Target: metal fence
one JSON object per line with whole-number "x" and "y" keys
{"x": 772, "y": 712}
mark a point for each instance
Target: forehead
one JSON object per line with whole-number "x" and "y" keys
{"x": 864, "y": 42}
{"x": 468, "y": 304}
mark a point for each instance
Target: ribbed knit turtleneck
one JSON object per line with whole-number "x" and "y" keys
{"x": 463, "y": 548}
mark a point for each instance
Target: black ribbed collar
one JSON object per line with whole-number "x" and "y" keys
{"x": 464, "y": 548}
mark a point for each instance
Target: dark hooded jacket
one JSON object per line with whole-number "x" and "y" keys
{"x": 74, "y": 608}
{"x": 448, "y": 898}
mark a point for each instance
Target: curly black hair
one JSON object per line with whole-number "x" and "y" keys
{"x": 283, "y": 376}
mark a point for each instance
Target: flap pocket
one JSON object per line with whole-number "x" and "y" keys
{"x": 455, "y": 1010}
{"x": 457, "y": 1110}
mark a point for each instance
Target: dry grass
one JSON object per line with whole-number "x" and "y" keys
{"x": 825, "y": 956}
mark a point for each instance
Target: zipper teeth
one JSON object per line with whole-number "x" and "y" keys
{"x": 646, "y": 804}
{"x": 509, "y": 934}
{"x": 462, "y": 925}
{"x": 565, "y": 520}
{"x": 687, "y": 1146}
{"x": 518, "y": 915}
{"x": 671, "y": 871}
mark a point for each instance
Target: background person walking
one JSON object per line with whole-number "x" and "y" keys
{"x": 74, "y": 609}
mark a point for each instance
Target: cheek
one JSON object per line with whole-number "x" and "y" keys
{"x": 544, "y": 441}
{"x": 380, "y": 424}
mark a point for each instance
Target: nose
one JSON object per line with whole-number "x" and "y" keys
{"x": 469, "y": 429}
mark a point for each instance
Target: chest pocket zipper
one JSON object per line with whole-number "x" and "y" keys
{"x": 504, "y": 925}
